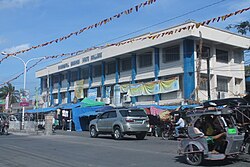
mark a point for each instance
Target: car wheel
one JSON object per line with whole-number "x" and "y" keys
{"x": 93, "y": 132}
{"x": 193, "y": 157}
{"x": 117, "y": 133}
{"x": 140, "y": 136}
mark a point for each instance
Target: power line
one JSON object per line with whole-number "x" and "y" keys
{"x": 153, "y": 25}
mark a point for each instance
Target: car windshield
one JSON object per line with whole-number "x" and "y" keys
{"x": 133, "y": 113}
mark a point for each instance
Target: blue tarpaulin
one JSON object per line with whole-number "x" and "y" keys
{"x": 78, "y": 111}
{"x": 41, "y": 110}
{"x": 69, "y": 106}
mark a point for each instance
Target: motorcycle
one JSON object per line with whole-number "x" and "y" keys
{"x": 168, "y": 132}
{"x": 5, "y": 128}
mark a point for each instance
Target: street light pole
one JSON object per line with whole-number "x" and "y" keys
{"x": 24, "y": 78}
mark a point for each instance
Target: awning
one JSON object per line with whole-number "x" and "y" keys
{"x": 41, "y": 110}
{"x": 69, "y": 106}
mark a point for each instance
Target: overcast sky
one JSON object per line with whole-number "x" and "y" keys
{"x": 26, "y": 23}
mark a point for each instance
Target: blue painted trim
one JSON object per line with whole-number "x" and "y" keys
{"x": 117, "y": 70}
{"x": 103, "y": 94}
{"x": 68, "y": 86}
{"x": 134, "y": 70}
{"x": 156, "y": 70}
{"x": 189, "y": 70}
{"x": 59, "y": 96}
{"x": 133, "y": 75}
{"x": 41, "y": 85}
{"x": 90, "y": 75}
{"x": 51, "y": 89}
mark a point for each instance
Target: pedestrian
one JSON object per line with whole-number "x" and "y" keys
{"x": 63, "y": 124}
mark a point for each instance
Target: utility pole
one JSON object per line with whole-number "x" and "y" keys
{"x": 47, "y": 92}
{"x": 198, "y": 67}
{"x": 208, "y": 77}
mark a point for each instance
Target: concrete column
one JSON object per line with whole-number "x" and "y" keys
{"x": 68, "y": 86}
{"x": 133, "y": 75}
{"x": 51, "y": 89}
{"x": 103, "y": 94}
{"x": 156, "y": 70}
{"x": 59, "y": 89}
{"x": 189, "y": 70}
{"x": 117, "y": 70}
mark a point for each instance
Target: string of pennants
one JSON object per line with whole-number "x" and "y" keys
{"x": 100, "y": 23}
{"x": 152, "y": 37}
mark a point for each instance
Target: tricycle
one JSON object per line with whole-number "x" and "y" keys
{"x": 212, "y": 135}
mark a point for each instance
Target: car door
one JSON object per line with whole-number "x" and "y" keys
{"x": 111, "y": 119}
{"x": 101, "y": 123}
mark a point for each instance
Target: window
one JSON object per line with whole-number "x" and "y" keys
{"x": 205, "y": 52}
{"x": 133, "y": 113}
{"x": 85, "y": 73}
{"x": 111, "y": 67}
{"x": 203, "y": 83}
{"x": 97, "y": 70}
{"x": 222, "y": 84}
{"x": 112, "y": 114}
{"x": 105, "y": 115}
{"x": 221, "y": 56}
{"x": 126, "y": 64}
{"x": 170, "y": 54}
{"x": 73, "y": 76}
{"x": 238, "y": 57}
{"x": 145, "y": 60}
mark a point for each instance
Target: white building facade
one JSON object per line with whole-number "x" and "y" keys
{"x": 166, "y": 63}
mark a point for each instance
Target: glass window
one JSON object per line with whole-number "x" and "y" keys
{"x": 111, "y": 67}
{"x": 133, "y": 113}
{"x": 203, "y": 83}
{"x": 73, "y": 75}
{"x": 85, "y": 73}
{"x": 112, "y": 114}
{"x": 145, "y": 60}
{"x": 205, "y": 52}
{"x": 126, "y": 64}
{"x": 222, "y": 84}
{"x": 221, "y": 56}
{"x": 170, "y": 54}
{"x": 97, "y": 70}
{"x": 104, "y": 115}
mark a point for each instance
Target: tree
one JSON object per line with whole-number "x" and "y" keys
{"x": 14, "y": 95}
{"x": 242, "y": 28}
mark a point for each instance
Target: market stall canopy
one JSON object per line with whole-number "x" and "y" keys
{"x": 90, "y": 103}
{"x": 41, "y": 110}
{"x": 69, "y": 106}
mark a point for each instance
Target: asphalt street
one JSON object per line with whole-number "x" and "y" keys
{"x": 77, "y": 149}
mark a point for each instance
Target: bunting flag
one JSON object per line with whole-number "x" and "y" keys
{"x": 100, "y": 23}
{"x": 153, "y": 37}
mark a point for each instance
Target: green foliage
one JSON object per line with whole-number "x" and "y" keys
{"x": 14, "y": 95}
{"x": 242, "y": 28}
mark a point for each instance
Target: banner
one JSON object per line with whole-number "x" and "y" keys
{"x": 135, "y": 90}
{"x": 7, "y": 102}
{"x": 124, "y": 88}
{"x": 169, "y": 85}
{"x": 155, "y": 87}
{"x": 79, "y": 89}
{"x": 24, "y": 94}
{"x": 108, "y": 90}
{"x": 151, "y": 88}
{"x": 92, "y": 93}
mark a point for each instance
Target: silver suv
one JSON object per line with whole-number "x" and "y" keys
{"x": 121, "y": 121}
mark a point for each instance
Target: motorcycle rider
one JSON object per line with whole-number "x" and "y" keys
{"x": 179, "y": 124}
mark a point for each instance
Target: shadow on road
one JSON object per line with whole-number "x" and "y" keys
{"x": 228, "y": 161}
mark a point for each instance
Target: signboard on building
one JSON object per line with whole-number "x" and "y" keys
{"x": 92, "y": 93}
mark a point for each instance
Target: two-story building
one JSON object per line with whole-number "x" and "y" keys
{"x": 172, "y": 65}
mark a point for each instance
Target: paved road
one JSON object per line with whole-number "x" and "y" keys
{"x": 72, "y": 149}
